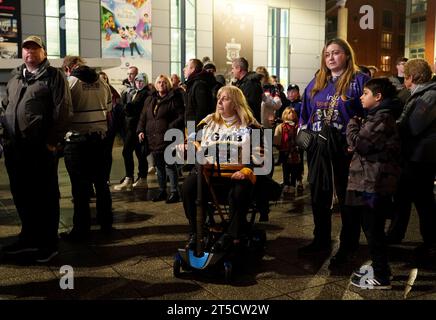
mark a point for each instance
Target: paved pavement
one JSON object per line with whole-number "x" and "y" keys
{"x": 136, "y": 261}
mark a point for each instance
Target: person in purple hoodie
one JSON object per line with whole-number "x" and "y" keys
{"x": 330, "y": 100}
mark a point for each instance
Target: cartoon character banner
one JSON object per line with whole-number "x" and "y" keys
{"x": 126, "y": 33}
{"x": 9, "y": 27}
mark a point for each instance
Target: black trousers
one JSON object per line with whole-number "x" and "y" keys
{"x": 84, "y": 159}
{"x": 238, "y": 193}
{"x": 109, "y": 143}
{"x": 33, "y": 178}
{"x": 415, "y": 186}
{"x": 132, "y": 144}
{"x": 373, "y": 225}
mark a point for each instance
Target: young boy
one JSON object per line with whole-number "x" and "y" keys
{"x": 373, "y": 175}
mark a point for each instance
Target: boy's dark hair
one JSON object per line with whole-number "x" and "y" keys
{"x": 401, "y": 59}
{"x": 383, "y": 86}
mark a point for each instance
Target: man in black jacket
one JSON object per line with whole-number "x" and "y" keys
{"x": 249, "y": 83}
{"x": 38, "y": 106}
{"x": 199, "y": 98}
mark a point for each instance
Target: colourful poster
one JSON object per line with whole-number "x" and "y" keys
{"x": 9, "y": 25}
{"x": 126, "y": 33}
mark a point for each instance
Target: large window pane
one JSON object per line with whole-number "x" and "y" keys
{"x": 190, "y": 45}
{"x": 272, "y": 51}
{"x": 419, "y": 6}
{"x": 190, "y": 14}
{"x": 284, "y": 52}
{"x": 175, "y": 44}
{"x": 53, "y": 48}
{"x": 176, "y": 68}
{"x": 52, "y": 8}
{"x": 278, "y": 42}
{"x": 71, "y": 9}
{"x": 72, "y": 37}
{"x": 272, "y": 22}
{"x": 175, "y": 13}
{"x": 284, "y": 23}
{"x": 183, "y": 26}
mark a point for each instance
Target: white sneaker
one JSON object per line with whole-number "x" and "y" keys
{"x": 140, "y": 183}
{"x": 127, "y": 185}
{"x": 152, "y": 170}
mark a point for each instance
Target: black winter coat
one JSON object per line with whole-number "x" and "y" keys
{"x": 133, "y": 102}
{"x": 251, "y": 87}
{"x": 199, "y": 96}
{"x": 158, "y": 115}
{"x": 417, "y": 125}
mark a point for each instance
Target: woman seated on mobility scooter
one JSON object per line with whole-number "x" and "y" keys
{"x": 227, "y": 134}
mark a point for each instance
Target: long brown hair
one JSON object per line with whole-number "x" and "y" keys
{"x": 324, "y": 74}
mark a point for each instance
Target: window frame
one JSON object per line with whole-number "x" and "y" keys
{"x": 176, "y": 66}
{"x": 385, "y": 63}
{"x": 61, "y": 15}
{"x": 387, "y": 40}
{"x": 277, "y": 52}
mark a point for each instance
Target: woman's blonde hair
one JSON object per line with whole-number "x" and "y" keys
{"x": 240, "y": 104}
{"x": 324, "y": 74}
{"x": 167, "y": 80}
{"x": 265, "y": 74}
{"x": 289, "y": 114}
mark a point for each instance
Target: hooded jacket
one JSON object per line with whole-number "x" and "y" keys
{"x": 199, "y": 96}
{"x": 375, "y": 166}
{"x": 37, "y": 108}
{"x": 92, "y": 100}
{"x": 251, "y": 87}
{"x": 417, "y": 125}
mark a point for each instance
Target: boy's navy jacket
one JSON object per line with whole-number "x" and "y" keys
{"x": 375, "y": 166}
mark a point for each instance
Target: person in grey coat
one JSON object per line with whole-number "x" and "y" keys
{"x": 417, "y": 125}
{"x": 37, "y": 112}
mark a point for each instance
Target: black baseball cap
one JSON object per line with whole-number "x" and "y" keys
{"x": 293, "y": 87}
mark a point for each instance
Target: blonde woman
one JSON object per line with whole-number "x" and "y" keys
{"x": 163, "y": 110}
{"x": 231, "y": 124}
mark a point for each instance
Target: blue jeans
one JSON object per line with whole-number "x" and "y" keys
{"x": 164, "y": 170}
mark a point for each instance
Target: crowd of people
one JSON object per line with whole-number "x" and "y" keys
{"x": 372, "y": 152}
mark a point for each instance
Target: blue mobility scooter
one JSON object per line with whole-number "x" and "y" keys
{"x": 203, "y": 256}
